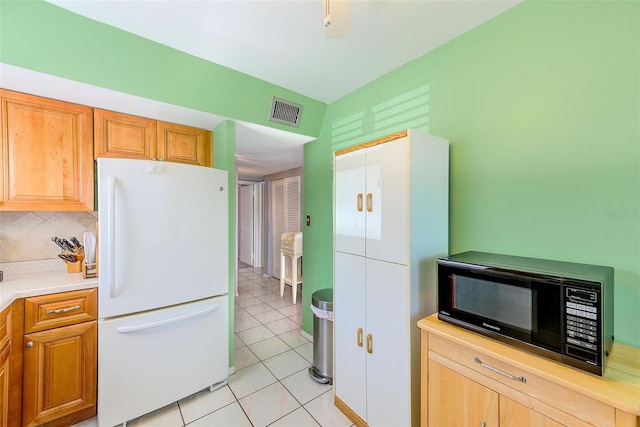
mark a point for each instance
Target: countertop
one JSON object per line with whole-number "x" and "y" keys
{"x": 618, "y": 387}
{"x": 15, "y": 286}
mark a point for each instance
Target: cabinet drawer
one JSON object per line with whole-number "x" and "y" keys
{"x": 550, "y": 393}
{"x": 55, "y": 310}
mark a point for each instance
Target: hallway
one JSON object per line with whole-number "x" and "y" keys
{"x": 271, "y": 385}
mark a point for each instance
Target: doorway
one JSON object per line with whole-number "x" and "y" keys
{"x": 250, "y": 223}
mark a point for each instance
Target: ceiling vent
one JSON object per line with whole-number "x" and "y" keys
{"x": 285, "y": 112}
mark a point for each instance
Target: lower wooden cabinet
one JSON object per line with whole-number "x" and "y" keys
{"x": 455, "y": 400}
{"x": 4, "y": 386}
{"x": 5, "y": 353}
{"x": 59, "y": 373}
{"x": 471, "y": 380}
{"x": 514, "y": 414}
{"x": 53, "y": 369}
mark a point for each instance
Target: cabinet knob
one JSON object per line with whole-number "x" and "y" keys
{"x": 29, "y": 344}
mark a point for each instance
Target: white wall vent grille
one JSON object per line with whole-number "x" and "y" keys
{"x": 285, "y": 112}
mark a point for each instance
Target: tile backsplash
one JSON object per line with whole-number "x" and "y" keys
{"x": 26, "y": 236}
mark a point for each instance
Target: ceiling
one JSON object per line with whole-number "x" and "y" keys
{"x": 283, "y": 42}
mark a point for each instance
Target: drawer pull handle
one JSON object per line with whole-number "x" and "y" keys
{"x": 523, "y": 380}
{"x": 63, "y": 310}
{"x": 369, "y": 344}
{"x": 359, "y": 337}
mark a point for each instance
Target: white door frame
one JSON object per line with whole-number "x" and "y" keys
{"x": 251, "y": 233}
{"x": 246, "y": 224}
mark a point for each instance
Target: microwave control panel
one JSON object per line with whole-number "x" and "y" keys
{"x": 582, "y": 320}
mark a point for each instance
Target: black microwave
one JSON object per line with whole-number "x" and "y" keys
{"x": 559, "y": 310}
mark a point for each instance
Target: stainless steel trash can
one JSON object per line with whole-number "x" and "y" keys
{"x": 322, "y": 307}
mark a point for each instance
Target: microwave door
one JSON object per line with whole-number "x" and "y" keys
{"x": 547, "y": 315}
{"x": 490, "y": 303}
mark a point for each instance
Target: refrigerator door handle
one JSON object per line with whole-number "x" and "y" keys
{"x": 163, "y": 322}
{"x": 111, "y": 235}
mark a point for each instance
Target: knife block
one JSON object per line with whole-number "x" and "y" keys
{"x": 74, "y": 267}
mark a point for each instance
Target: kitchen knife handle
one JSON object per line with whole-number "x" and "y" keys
{"x": 111, "y": 235}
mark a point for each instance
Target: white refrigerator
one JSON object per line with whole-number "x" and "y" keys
{"x": 163, "y": 327}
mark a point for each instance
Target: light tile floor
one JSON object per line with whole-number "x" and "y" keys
{"x": 271, "y": 385}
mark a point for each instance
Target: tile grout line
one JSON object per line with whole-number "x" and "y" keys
{"x": 279, "y": 380}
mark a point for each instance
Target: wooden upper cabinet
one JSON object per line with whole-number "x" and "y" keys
{"x": 126, "y": 136}
{"x": 184, "y": 144}
{"x": 47, "y": 154}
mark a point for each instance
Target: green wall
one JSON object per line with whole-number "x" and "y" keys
{"x": 541, "y": 107}
{"x": 40, "y": 36}
{"x": 224, "y": 149}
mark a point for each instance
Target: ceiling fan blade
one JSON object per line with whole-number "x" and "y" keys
{"x": 337, "y": 18}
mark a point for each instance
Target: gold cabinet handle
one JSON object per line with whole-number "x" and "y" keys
{"x": 369, "y": 344}
{"x": 63, "y": 310}
{"x": 359, "y": 337}
{"x": 359, "y": 202}
{"x": 369, "y": 202}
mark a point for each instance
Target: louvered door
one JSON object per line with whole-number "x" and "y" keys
{"x": 285, "y": 215}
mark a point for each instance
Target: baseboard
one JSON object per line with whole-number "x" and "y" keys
{"x": 348, "y": 412}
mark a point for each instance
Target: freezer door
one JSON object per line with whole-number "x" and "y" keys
{"x": 163, "y": 234}
{"x": 147, "y": 361}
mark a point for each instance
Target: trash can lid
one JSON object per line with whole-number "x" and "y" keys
{"x": 323, "y": 299}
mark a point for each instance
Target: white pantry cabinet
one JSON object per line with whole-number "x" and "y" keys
{"x": 391, "y": 224}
